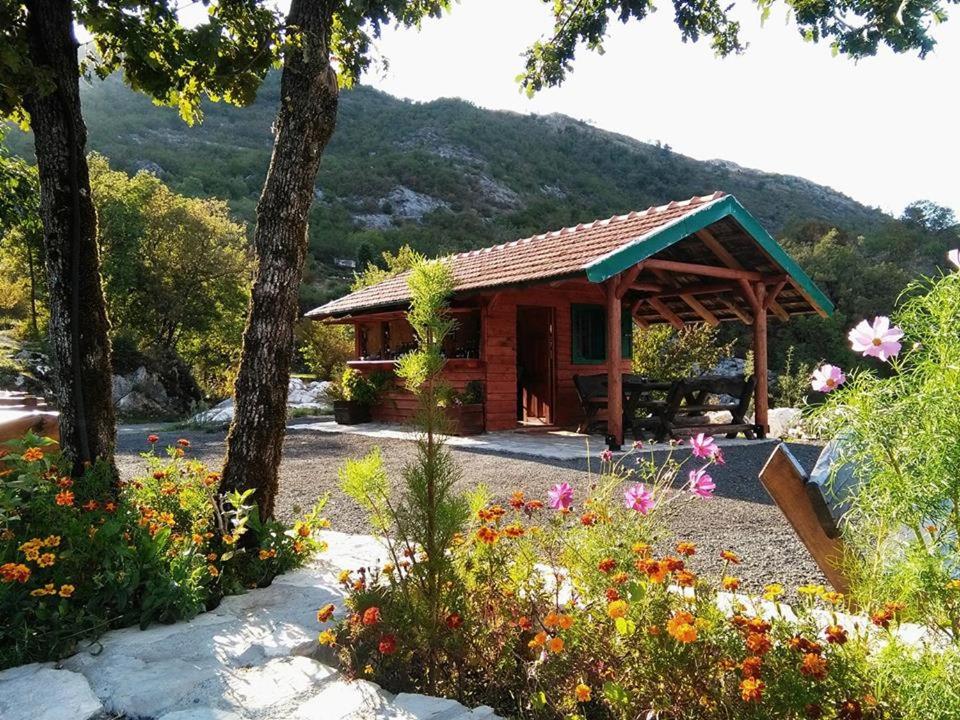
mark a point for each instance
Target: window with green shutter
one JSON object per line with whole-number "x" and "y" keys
{"x": 589, "y": 330}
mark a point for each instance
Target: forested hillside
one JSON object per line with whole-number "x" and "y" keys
{"x": 447, "y": 176}
{"x": 441, "y": 176}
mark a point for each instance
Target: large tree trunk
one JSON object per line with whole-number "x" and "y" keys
{"x": 78, "y": 315}
{"x": 304, "y": 124}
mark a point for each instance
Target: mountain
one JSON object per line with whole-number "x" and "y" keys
{"x": 442, "y": 176}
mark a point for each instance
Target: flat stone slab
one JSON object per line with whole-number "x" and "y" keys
{"x": 41, "y": 692}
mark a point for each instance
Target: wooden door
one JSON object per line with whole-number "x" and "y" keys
{"x": 536, "y": 365}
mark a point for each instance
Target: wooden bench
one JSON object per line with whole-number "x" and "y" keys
{"x": 592, "y": 392}
{"x": 687, "y": 400}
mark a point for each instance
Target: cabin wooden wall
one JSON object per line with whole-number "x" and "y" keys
{"x": 499, "y": 350}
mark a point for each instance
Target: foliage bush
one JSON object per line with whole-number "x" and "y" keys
{"x": 324, "y": 347}
{"x": 664, "y": 353}
{"x": 793, "y": 382}
{"x": 578, "y": 606}
{"x": 355, "y": 386}
{"x": 79, "y": 556}
{"x": 896, "y": 432}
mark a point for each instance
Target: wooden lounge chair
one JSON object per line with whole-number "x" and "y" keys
{"x": 683, "y": 413}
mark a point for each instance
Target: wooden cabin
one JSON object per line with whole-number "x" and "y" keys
{"x": 534, "y": 312}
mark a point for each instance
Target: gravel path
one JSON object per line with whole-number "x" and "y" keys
{"x": 741, "y": 517}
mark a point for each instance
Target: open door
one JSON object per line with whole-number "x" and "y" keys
{"x": 536, "y": 365}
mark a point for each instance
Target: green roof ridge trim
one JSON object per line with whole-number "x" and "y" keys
{"x": 666, "y": 235}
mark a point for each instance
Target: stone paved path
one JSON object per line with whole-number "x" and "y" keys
{"x": 249, "y": 659}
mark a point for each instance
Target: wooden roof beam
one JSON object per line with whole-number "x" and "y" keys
{"x": 626, "y": 279}
{"x": 738, "y": 311}
{"x": 727, "y": 258}
{"x": 666, "y": 313}
{"x": 699, "y": 308}
{"x": 704, "y": 270}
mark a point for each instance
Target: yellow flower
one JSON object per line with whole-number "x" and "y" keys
{"x": 229, "y": 539}
{"x": 52, "y": 541}
{"x": 46, "y": 560}
{"x": 730, "y": 583}
{"x": 47, "y": 589}
{"x": 617, "y": 609}
{"x": 344, "y": 577}
{"x": 368, "y": 669}
{"x": 33, "y": 454}
{"x": 772, "y": 591}
{"x": 327, "y": 637}
{"x": 811, "y": 590}
{"x": 583, "y": 693}
{"x": 388, "y": 568}
{"x": 832, "y": 597}
{"x": 953, "y": 585}
{"x": 66, "y": 590}
{"x": 212, "y": 569}
{"x": 267, "y": 554}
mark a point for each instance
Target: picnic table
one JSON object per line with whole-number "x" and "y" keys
{"x": 669, "y": 409}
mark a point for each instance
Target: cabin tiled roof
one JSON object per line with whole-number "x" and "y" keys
{"x": 551, "y": 255}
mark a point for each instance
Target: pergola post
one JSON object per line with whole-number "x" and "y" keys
{"x": 614, "y": 378}
{"x": 761, "y": 391}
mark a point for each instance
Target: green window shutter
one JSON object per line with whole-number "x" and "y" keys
{"x": 589, "y": 334}
{"x": 589, "y": 337}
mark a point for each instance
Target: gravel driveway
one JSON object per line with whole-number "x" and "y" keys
{"x": 741, "y": 517}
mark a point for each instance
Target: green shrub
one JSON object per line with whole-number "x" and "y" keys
{"x": 79, "y": 556}
{"x": 325, "y": 347}
{"x": 793, "y": 383}
{"x": 664, "y": 353}
{"x": 360, "y": 388}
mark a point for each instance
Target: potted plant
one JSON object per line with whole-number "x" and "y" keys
{"x": 353, "y": 395}
{"x": 465, "y": 410}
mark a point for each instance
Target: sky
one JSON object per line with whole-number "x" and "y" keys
{"x": 884, "y": 130}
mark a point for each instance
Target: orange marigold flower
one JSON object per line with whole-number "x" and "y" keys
{"x": 524, "y": 623}
{"x": 612, "y": 594}
{"x": 64, "y": 498}
{"x": 212, "y": 569}
{"x": 617, "y": 609}
{"x": 606, "y": 565}
{"x": 619, "y": 578}
{"x": 487, "y": 535}
{"x": 730, "y": 556}
{"x": 387, "y": 645}
{"x": 653, "y": 630}
{"x": 758, "y": 644}
{"x": 681, "y": 627}
{"x": 228, "y": 539}
{"x": 168, "y": 488}
{"x": 538, "y": 640}
{"x": 517, "y": 500}
{"x": 814, "y": 666}
{"x": 640, "y": 548}
{"x": 47, "y": 589}
{"x": 66, "y": 590}
{"x": 33, "y": 454}
{"x": 582, "y": 693}
{"x": 325, "y": 613}
{"x": 159, "y": 474}
{"x": 551, "y": 620}
{"x": 46, "y": 560}
{"x": 686, "y": 548}
{"x": 513, "y": 531}
{"x": 267, "y": 554}
{"x": 849, "y": 710}
{"x": 65, "y": 482}
{"x": 685, "y": 578}
{"x": 14, "y": 572}
{"x": 750, "y": 667}
{"x": 656, "y": 570}
{"x": 758, "y": 625}
{"x": 533, "y": 505}
{"x": 751, "y": 689}
{"x": 555, "y": 645}
{"x": 211, "y": 557}
{"x": 90, "y": 505}
{"x": 152, "y": 439}
{"x": 110, "y": 506}
{"x": 183, "y": 442}
{"x": 730, "y": 583}
{"x": 371, "y": 616}
{"x": 836, "y": 635}
{"x": 588, "y": 519}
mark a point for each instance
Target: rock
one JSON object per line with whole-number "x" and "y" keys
{"x": 407, "y": 204}
{"x": 276, "y": 682}
{"x": 309, "y": 396}
{"x": 719, "y": 417}
{"x": 346, "y": 700}
{"x": 138, "y": 405}
{"x": 201, "y": 713}
{"x": 221, "y": 414}
{"x": 783, "y": 422}
{"x": 39, "y": 692}
{"x": 121, "y": 387}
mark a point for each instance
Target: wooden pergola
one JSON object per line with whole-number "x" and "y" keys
{"x": 714, "y": 265}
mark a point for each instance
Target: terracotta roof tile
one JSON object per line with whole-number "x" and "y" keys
{"x": 546, "y": 256}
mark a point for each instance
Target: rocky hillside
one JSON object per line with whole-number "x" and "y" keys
{"x": 442, "y": 176}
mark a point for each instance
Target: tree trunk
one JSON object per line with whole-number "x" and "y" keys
{"x": 34, "y": 326}
{"x": 79, "y": 342}
{"x": 304, "y": 124}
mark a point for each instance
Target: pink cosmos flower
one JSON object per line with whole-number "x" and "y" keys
{"x": 701, "y": 484}
{"x": 606, "y": 456}
{"x": 637, "y": 497}
{"x": 827, "y": 377}
{"x": 954, "y": 257}
{"x": 878, "y": 340}
{"x": 561, "y": 496}
{"x": 637, "y": 445}
{"x": 703, "y": 445}
{"x": 718, "y": 457}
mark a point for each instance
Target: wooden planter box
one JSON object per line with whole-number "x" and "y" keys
{"x": 466, "y": 419}
{"x": 348, "y": 412}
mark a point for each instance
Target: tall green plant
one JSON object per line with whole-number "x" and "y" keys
{"x": 898, "y": 433}
{"x": 428, "y": 515}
